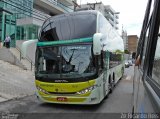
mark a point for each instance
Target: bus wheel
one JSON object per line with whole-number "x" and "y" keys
{"x": 110, "y": 88}
{"x": 122, "y": 70}
{"x": 113, "y": 81}
{"x": 109, "y": 85}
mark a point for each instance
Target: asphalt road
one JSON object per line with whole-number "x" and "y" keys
{"x": 117, "y": 105}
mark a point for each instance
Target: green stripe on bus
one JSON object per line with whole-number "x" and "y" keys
{"x": 63, "y": 42}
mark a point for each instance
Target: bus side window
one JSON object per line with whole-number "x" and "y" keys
{"x": 156, "y": 63}
{"x": 115, "y": 59}
{"x": 144, "y": 48}
{"x": 110, "y": 60}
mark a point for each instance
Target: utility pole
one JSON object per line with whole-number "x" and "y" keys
{"x": 75, "y": 5}
{"x": 93, "y": 5}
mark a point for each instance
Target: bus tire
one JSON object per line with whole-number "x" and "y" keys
{"x": 110, "y": 85}
{"x": 113, "y": 81}
{"x": 111, "y": 90}
{"x": 122, "y": 70}
{"x": 106, "y": 96}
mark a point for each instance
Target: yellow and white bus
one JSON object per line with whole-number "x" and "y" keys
{"x": 79, "y": 58}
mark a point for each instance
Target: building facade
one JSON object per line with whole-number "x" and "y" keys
{"x": 125, "y": 39}
{"x": 132, "y": 43}
{"x": 110, "y": 14}
{"x": 22, "y": 19}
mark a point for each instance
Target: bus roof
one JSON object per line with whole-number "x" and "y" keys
{"x": 57, "y": 17}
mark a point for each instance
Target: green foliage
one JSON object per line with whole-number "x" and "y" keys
{"x": 126, "y": 51}
{"x": 118, "y": 52}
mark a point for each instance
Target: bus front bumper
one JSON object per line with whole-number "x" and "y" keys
{"x": 93, "y": 98}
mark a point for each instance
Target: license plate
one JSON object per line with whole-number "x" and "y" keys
{"x": 62, "y": 99}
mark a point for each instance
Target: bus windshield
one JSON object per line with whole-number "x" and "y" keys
{"x": 66, "y": 61}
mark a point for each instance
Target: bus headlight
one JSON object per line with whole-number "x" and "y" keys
{"x": 42, "y": 90}
{"x": 89, "y": 89}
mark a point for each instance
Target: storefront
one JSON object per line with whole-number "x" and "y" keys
{"x": 7, "y": 27}
{"x": 25, "y": 32}
{"x": 10, "y": 11}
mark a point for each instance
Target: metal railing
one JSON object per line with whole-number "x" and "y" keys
{"x": 26, "y": 58}
{"x": 40, "y": 15}
{"x": 66, "y": 8}
{"x": 61, "y": 5}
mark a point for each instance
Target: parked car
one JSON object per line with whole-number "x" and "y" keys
{"x": 130, "y": 62}
{"x": 126, "y": 64}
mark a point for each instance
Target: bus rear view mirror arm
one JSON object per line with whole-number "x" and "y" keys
{"x": 97, "y": 43}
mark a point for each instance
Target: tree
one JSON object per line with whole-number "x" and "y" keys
{"x": 126, "y": 51}
{"x": 118, "y": 52}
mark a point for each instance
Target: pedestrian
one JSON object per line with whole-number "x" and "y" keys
{"x": 7, "y": 41}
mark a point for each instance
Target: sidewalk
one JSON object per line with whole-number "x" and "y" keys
{"x": 15, "y": 82}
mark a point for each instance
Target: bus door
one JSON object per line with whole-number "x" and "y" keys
{"x": 105, "y": 67}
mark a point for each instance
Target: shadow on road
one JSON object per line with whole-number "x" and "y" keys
{"x": 73, "y": 107}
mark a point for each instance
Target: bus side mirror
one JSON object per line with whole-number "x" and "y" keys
{"x": 97, "y": 43}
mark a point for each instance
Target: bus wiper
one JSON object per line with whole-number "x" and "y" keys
{"x": 70, "y": 59}
{"x": 68, "y": 67}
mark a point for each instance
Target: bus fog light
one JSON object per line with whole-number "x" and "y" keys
{"x": 87, "y": 90}
{"x": 42, "y": 90}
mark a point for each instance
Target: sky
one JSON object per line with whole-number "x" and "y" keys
{"x": 131, "y": 13}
